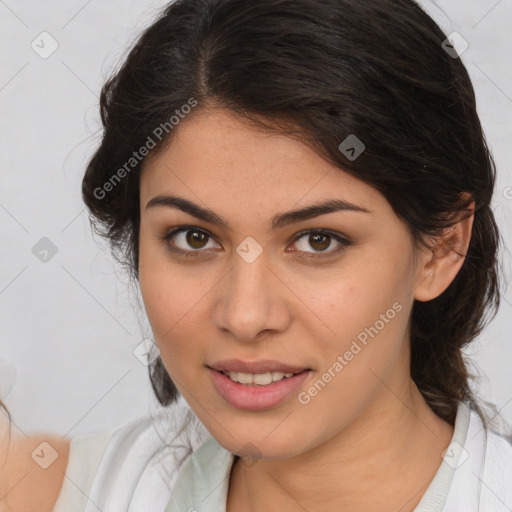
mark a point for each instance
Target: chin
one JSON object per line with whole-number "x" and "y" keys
{"x": 258, "y": 444}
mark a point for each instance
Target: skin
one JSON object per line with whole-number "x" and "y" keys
{"x": 351, "y": 445}
{"x": 25, "y": 486}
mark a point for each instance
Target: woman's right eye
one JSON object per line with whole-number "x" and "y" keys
{"x": 187, "y": 237}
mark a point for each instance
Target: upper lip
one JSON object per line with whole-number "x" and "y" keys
{"x": 261, "y": 366}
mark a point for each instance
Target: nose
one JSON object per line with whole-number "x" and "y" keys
{"x": 252, "y": 302}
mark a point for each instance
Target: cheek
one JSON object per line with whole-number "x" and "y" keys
{"x": 172, "y": 301}
{"x": 160, "y": 289}
{"x": 366, "y": 348}
{"x": 171, "y": 320}
{"x": 355, "y": 299}
{"x": 367, "y": 315}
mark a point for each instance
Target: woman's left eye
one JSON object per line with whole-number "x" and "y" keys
{"x": 198, "y": 239}
{"x": 319, "y": 240}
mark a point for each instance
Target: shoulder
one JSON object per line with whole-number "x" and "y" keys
{"x": 491, "y": 466}
{"x": 134, "y": 464}
{"x": 31, "y": 471}
{"x": 495, "y": 447}
{"x": 499, "y": 451}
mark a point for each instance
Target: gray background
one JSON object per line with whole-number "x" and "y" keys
{"x": 69, "y": 326}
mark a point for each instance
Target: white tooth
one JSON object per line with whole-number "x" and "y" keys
{"x": 262, "y": 379}
{"x": 244, "y": 378}
{"x": 277, "y": 375}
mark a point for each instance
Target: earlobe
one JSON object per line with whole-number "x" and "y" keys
{"x": 423, "y": 290}
{"x": 441, "y": 264}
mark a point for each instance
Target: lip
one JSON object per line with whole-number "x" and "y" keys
{"x": 253, "y": 397}
{"x": 261, "y": 366}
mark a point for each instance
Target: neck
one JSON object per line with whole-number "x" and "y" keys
{"x": 385, "y": 459}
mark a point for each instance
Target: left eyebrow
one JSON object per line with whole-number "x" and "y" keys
{"x": 280, "y": 220}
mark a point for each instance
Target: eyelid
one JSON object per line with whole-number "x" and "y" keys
{"x": 341, "y": 239}
{"x": 170, "y": 233}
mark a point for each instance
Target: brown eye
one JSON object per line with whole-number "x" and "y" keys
{"x": 320, "y": 241}
{"x": 190, "y": 241}
{"x": 187, "y": 240}
{"x": 195, "y": 239}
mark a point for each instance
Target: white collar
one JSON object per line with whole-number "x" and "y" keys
{"x": 476, "y": 474}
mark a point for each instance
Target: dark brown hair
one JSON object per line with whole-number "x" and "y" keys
{"x": 321, "y": 70}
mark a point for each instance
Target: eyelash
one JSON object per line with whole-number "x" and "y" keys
{"x": 166, "y": 237}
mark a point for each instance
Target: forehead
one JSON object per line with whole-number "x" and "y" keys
{"x": 217, "y": 158}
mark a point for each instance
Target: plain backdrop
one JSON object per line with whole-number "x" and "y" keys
{"x": 68, "y": 325}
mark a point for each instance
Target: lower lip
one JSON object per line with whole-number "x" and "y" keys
{"x": 253, "y": 397}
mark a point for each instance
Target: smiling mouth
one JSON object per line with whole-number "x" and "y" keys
{"x": 258, "y": 379}
{"x": 257, "y": 391}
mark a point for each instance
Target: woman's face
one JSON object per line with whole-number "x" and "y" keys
{"x": 253, "y": 289}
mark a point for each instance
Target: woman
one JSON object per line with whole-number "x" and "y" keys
{"x": 302, "y": 190}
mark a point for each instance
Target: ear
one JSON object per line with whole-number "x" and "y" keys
{"x": 438, "y": 265}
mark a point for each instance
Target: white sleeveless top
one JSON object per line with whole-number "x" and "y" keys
{"x": 148, "y": 465}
